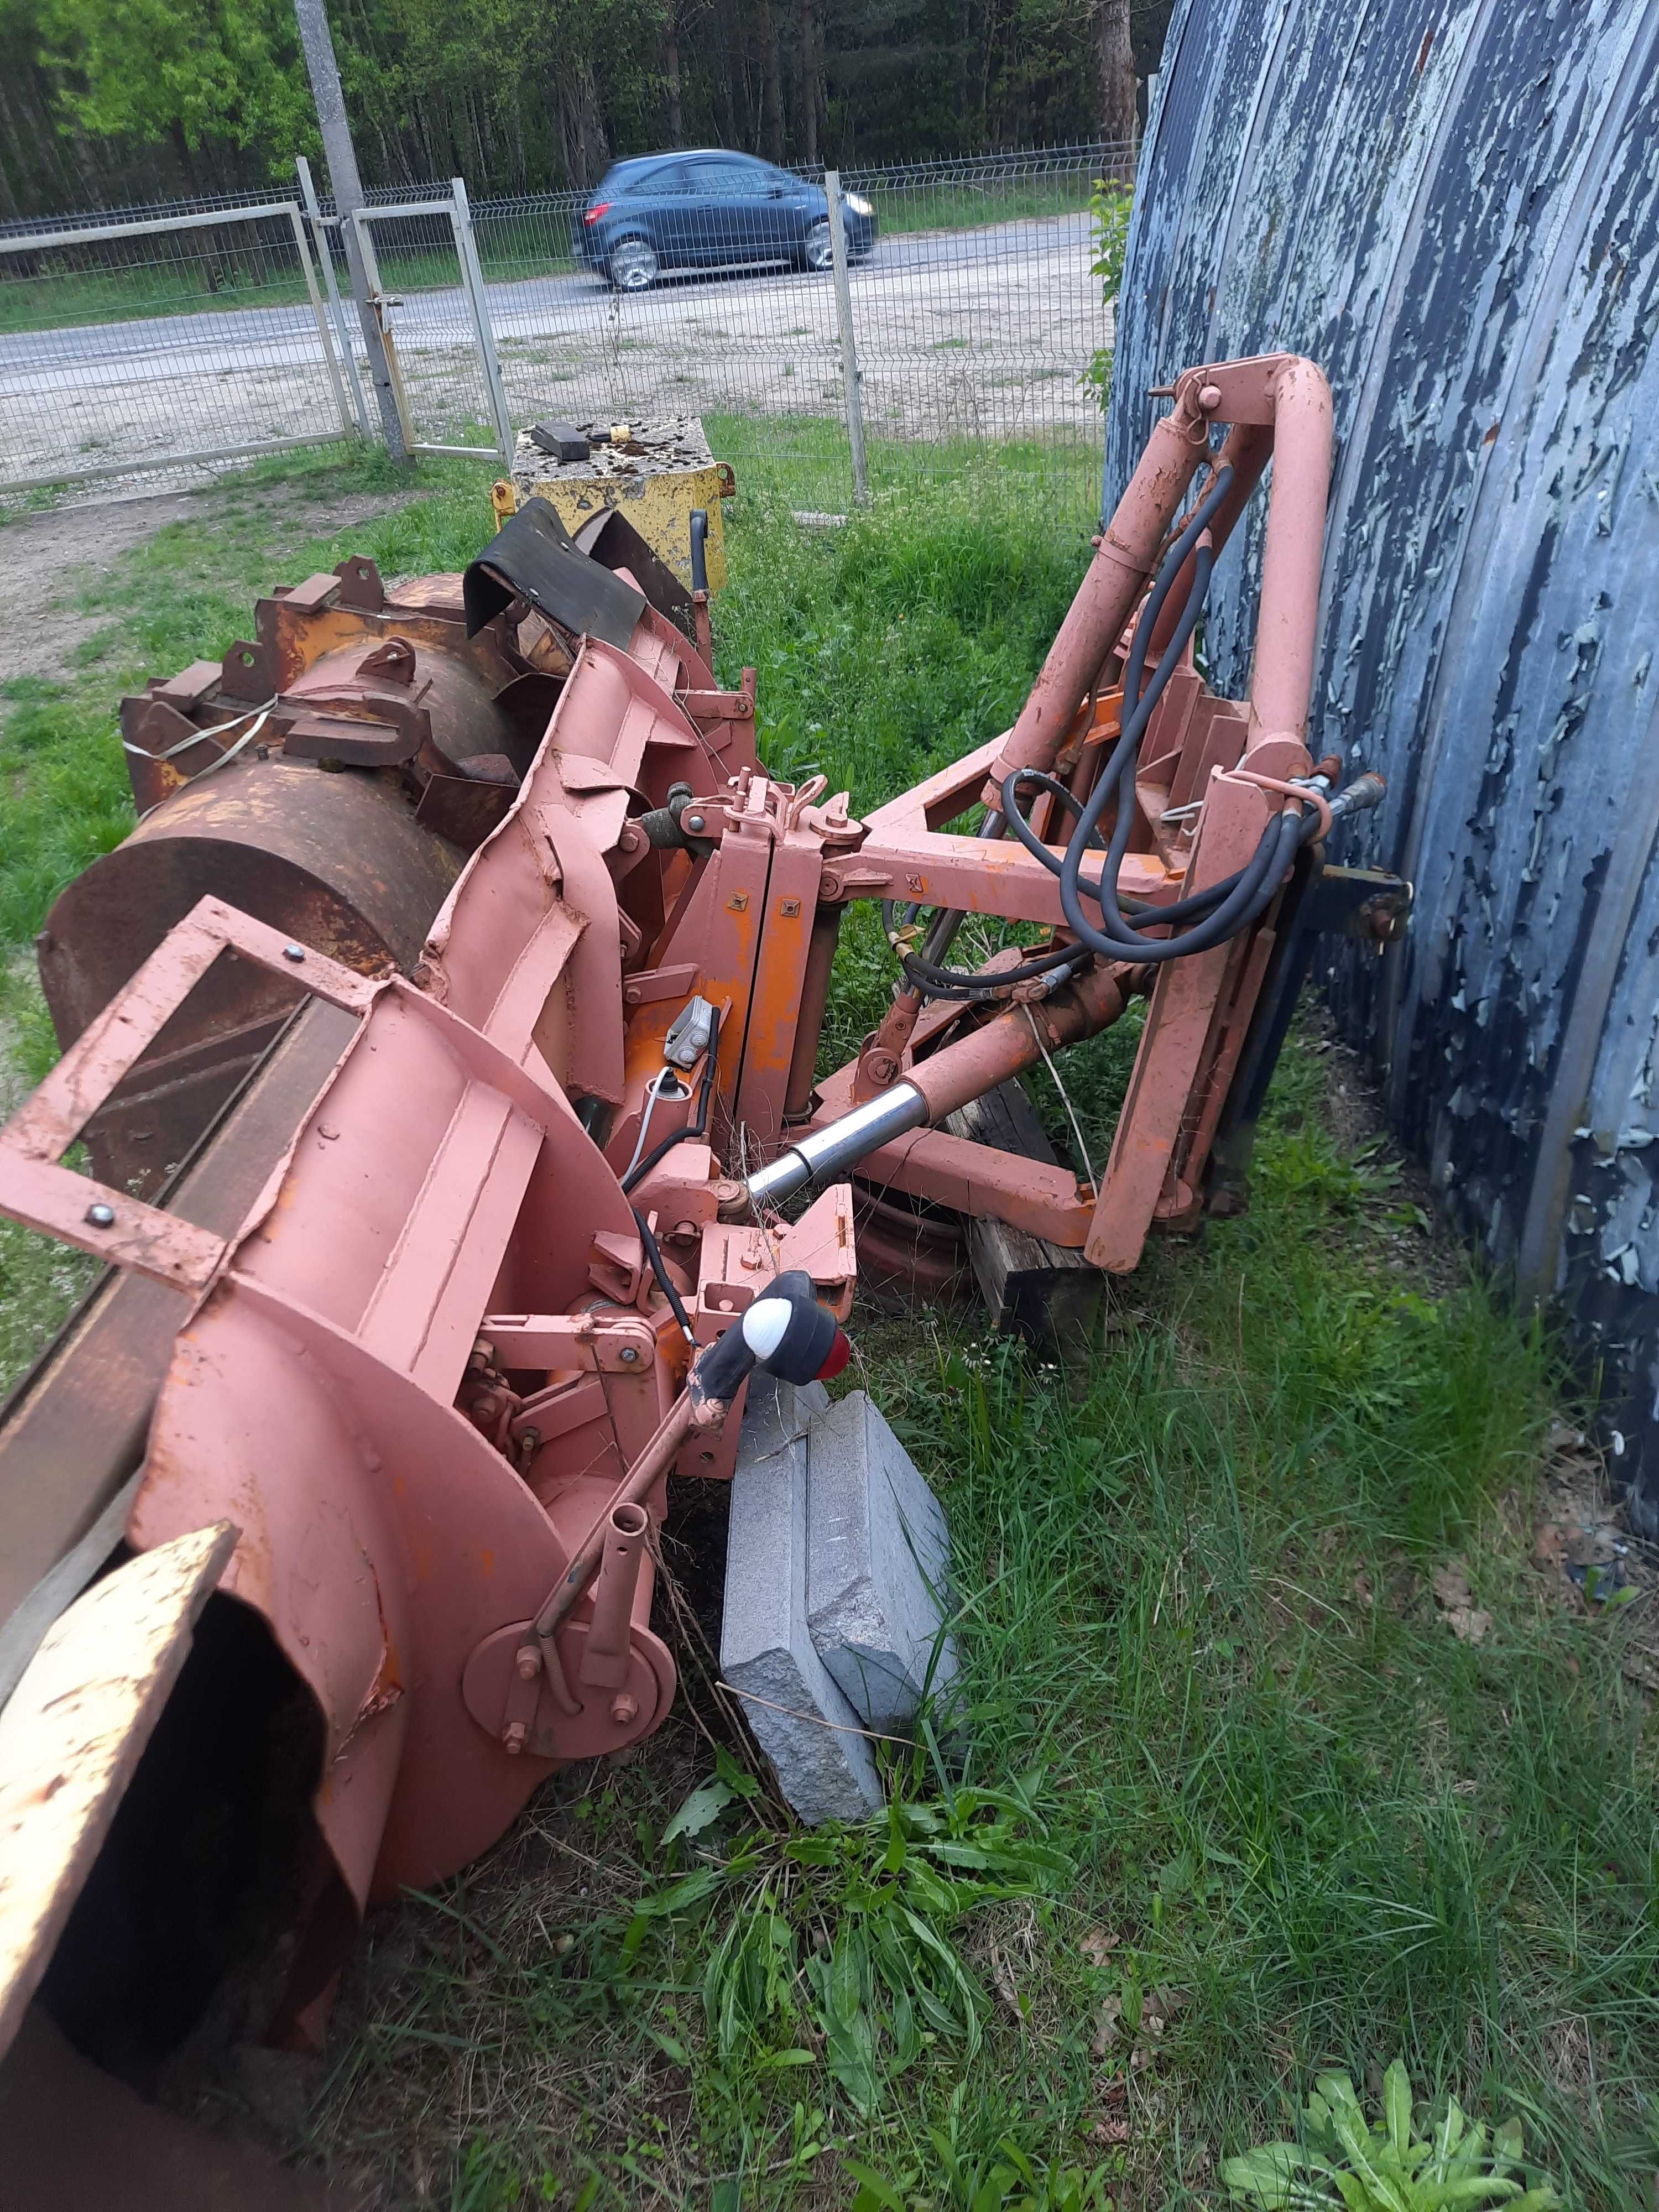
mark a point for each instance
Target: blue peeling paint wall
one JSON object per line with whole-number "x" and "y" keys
{"x": 1453, "y": 207}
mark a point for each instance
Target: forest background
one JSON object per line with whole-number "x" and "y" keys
{"x": 105, "y": 102}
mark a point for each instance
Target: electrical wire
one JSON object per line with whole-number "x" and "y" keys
{"x": 698, "y": 1126}
{"x": 653, "y": 1091}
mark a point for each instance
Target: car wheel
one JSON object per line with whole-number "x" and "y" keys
{"x": 634, "y": 265}
{"x": 817, "y": 252}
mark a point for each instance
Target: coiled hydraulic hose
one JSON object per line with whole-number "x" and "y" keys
{"x": 1207, "y": 918}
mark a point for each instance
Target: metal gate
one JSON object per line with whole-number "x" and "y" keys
{"x": 441, "y": 352}
{"x": 179, "y": 341}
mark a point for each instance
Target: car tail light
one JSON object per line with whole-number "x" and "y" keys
{"x": 599, "y": 208}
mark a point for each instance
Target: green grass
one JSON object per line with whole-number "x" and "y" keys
{"x": 1227, "y": 1802}
{"x": 62, "y": 296}
{"x": 801, "y": 462}
{"x": 966, "y": 207}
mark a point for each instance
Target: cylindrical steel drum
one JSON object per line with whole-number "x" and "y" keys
{"x": 339, "y": 861}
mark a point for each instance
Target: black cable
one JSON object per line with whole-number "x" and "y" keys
{"x": 938, "y": 982}
{"x": 698, "y": 1125}
{"x": 1205, "y": 918}
{"x": 665, "y": 1281}
{"x": 1222, "y": 908}
{"x": 1239, "y": 898}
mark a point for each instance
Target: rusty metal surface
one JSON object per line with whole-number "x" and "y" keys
{"x": 473, "y": 1315}
{"x": 76, "y": 2138}
{"x": 72, "y": 1732}
{"x": 337, "y": 861}
{"x": 1456, "y": 209}
{"x": 74, "y": 1430}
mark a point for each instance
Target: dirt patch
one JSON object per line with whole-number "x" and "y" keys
{"x": 1426, "y": 1245}
{"x": 50, "y": 560}
{"x": 1593, "y": 1564}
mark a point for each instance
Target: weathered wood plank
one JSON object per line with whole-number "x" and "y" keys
{"x": 1042, "y": 1291}
{"x": 71, "y": 1735}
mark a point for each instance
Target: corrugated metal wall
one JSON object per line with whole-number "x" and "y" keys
{"x": 1453, "y": 206}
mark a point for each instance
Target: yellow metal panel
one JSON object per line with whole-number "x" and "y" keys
{"x": 659, "y": 506}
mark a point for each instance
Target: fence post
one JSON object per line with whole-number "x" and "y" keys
{"x": 466, "y": 247}
{"x": 336, "y": 311}
{"x": 317, "y": 43}
{"x": 849, "y": 355}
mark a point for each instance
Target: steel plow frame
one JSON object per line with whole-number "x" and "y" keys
{"x": 438, "y": 1376}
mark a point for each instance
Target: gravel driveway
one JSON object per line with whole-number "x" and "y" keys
{"x": 981, "y": 332}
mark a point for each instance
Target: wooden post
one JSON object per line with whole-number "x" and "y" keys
{"x": 1045, "y": 1293}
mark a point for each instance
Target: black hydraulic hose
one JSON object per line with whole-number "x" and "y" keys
{"x": 664, "y": 1280}
{"x": 1242, "y": 896}
{"x": 1219, "y": 909}
{"x": 939, "y": 982}
{"x": 698, "y": 1125}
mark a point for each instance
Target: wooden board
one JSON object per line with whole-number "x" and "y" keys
{"x": 71, "y": 1735}
{"x": 1045, "y": 1292}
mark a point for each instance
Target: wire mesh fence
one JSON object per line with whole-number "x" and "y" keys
{"x": 970, "y": 311}
{"x": 184, "y": 340}
{"x": 973, "y": 315}
{"x": 441, "y": 352}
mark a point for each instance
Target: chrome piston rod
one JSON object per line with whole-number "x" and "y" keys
{"x": 823, "y": 1152}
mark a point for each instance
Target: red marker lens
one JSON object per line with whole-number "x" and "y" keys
{"x": 839, "y": 1353}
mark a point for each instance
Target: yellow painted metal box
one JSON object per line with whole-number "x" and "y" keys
{"x": 654, "y": 473}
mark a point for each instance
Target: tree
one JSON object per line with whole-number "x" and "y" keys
{"x": 1114, "y": 63}
{"x": 108, "y": 101}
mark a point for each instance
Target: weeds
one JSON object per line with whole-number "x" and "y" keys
{"x": 1386, "y": 2166}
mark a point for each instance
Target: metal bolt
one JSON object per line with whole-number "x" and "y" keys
{"x": 101, "y": 1216}
{"x": 295, "y": 952}
{"x": 691, "y": 822}
{"x": 512, "y": 1738}
{"x": 624, "y": 1708}
{"x": 530, "y": 1662}
{"x": 1209, "y": 398}
{"x": 628, "y": 1355}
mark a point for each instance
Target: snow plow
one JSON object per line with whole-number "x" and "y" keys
{"x": 444, "y": 1046}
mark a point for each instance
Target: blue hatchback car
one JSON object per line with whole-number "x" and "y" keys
{"x": 709, "y": 210}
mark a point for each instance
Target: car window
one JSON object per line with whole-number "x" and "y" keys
{"x": 729, "y": 180}
{"x": 670, "y": 178}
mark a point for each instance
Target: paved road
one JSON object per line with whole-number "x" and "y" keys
{"x": 240, "y": 336}
{"x": 980, "y": 333}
